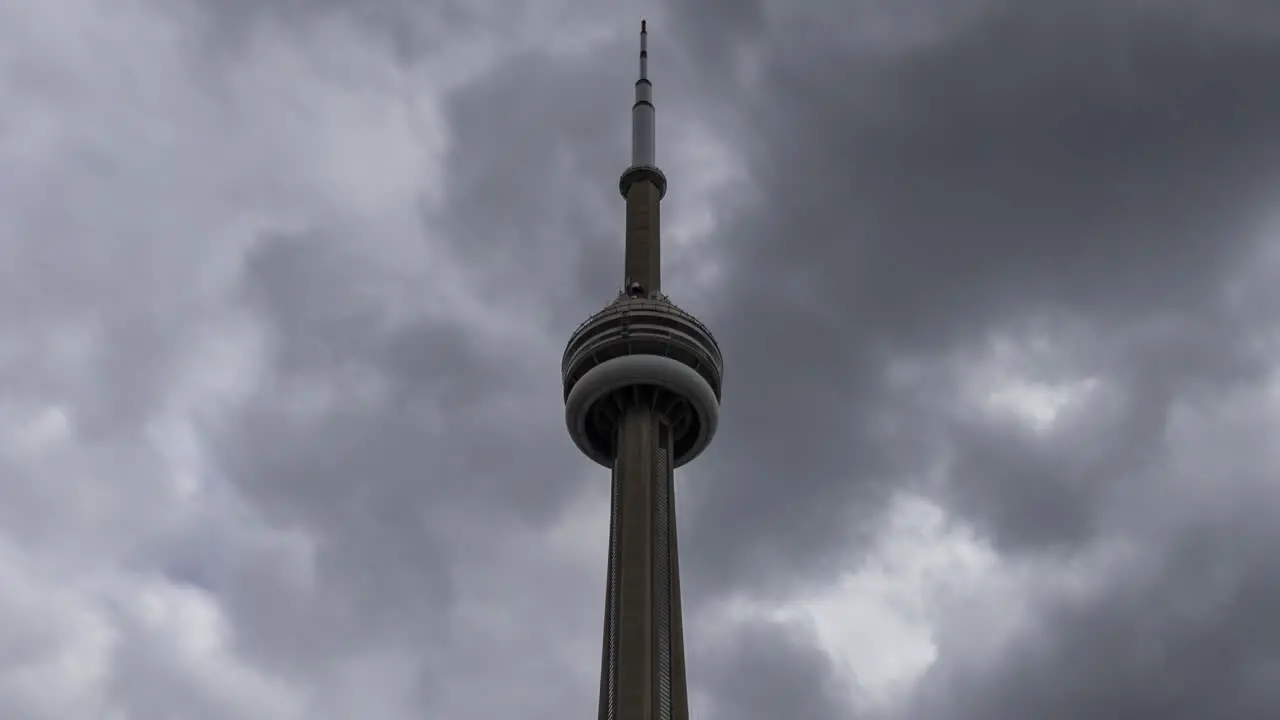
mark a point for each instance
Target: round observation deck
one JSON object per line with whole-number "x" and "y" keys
{"x": 642, "y": 349}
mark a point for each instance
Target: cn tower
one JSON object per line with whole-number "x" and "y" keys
{"x": 642, "y": 398}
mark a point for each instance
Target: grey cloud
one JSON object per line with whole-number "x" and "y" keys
{"x": 911, "y": 204}
{"x": 377, "y": 477}
{"x": 1190, "y": 636}
{"x": 1106, "y": 164}
{"x": 532, "y": 196}
{"x": 427, "y": 447}
{"x": 408, "y": 29}
{"x": 768, "y": 670}
{"x": 1037, "y": 492}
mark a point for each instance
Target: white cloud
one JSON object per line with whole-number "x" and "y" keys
{"x": 1037, "y": 404}
{"x": 877, "y": 620}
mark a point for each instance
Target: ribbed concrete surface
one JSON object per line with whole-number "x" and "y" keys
{"x": 643, "y": 676}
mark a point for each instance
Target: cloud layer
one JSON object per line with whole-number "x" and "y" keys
{"x": 287, "y": 284}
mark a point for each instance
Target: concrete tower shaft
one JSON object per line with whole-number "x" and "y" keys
{"x": 642, "y": 397}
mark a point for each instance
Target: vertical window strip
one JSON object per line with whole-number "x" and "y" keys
{"x": 615, "y": 522}
{"x": 662, "y": 570}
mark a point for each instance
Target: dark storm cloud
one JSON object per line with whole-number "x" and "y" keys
{"x": 1107, "y": 163}
{"x": 1103, "y": 164}
{"x": 1191, "y": 635}
{"x": 536, "y": 145}
{"x": 1038, "y": 492}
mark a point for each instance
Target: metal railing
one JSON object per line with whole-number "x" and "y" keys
{"x": 663, "y": 305}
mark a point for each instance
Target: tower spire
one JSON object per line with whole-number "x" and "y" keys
{"x": 643, "y": 186}
{"x": 644, "y": 51}
{"x": 642, "y": 128}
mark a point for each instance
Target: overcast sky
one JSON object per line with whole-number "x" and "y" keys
{"x": 284, "y": 286}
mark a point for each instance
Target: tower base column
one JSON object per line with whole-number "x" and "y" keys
{"x": 643, "y": 672}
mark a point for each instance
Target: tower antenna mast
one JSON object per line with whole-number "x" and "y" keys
{"x": 642, "y": 127}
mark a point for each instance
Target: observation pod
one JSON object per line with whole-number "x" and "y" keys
{"x": 642, "y": 350}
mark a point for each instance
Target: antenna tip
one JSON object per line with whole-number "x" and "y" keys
{"x": 642, "y": 24}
